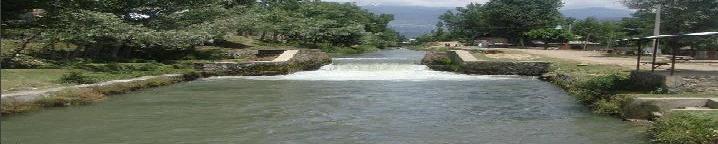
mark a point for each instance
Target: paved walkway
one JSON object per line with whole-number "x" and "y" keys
{"x": 595, "y": 57}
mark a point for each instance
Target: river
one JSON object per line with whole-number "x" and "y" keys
{"x": 381, "y": 97}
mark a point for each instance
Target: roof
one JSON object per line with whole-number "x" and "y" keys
{"x": 583, "y": 42}
{"x": 660, "y": 36}
{"x": 702, "y": 34}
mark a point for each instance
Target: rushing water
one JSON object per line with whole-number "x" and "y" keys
{"x": 383, "y": 97}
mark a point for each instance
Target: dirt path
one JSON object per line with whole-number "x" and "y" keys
{"x": 594, "y": 57}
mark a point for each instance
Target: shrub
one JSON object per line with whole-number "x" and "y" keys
{"x": 23, "y": 61}
{"x": 646, "y": 81}
{"x": 604, "y": 85}
{"x": 192, "y": 75}
{"x": 611, "y": 106}
{"x": 685, "y": 128}
{"x": 77, "y": 77}
{"x": 150, "y": 67}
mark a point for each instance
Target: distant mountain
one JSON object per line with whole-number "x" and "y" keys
{"x": 597, "y": 12}
{"x": 412, "y": 21}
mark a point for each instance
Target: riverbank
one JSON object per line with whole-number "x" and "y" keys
{"x": 382, "y": 97}
{"x": 616, "y": 90}
{"x": 288, "y": 61}
{"x": 612, "y": 89}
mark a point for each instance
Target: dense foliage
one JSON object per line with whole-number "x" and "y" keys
{"x": 678, "y": 17}
{"x": 549, "y": 35}
{"x": 169, "y": 30}
{"x": 514, "y": 19}
{"x": 497, "y": 18}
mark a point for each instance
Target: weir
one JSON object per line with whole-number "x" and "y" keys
{"x": 381, "y": 97}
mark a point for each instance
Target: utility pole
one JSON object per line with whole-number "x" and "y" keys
{"x": 657, "y": 27}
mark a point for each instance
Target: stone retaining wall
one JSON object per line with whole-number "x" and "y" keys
{"x": 461, "y": 61}
{"x": 300, "y": 61}
{"x": 30, "y": 96}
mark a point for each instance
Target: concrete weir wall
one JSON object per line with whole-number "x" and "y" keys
{"x": 647, "y": 108}
{"x": 463, "y": 62}
{"x": 35, "y": 95}
{"x": 289, "y": 61}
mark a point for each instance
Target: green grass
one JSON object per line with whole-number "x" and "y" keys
{"x": 685, "y": 128}
{"x": 27, "y": 79}
{"x": 89, "y": 95}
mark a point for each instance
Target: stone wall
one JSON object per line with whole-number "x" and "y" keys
{"x": 451, "y": 61}
{"x": 526, "y": 68}
{"x": 303, "y": 60}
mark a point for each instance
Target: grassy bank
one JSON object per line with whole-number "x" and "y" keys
{"x": 33, "y": 79}
{"x": 607, "y": 89}
{"x": 91, "y": 94}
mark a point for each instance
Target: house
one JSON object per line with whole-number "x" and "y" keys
{"x": 580, "y": 45}
{"x": 492, "y": 42}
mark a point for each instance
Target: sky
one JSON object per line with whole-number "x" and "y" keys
{"x": 569, "y": 4}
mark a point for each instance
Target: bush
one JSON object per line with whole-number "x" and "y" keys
{"x": 23, "y": 62}
{"x": 604, "y": 85}
{"x": 611, "y": 106}
{"x": 192, "y": 75}
{"x": 646, "y": 81}
{"x": 685, "y": 128}
{"x": 77, "y": 77}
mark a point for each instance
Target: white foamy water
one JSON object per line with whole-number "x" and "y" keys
{"x": 372, "y": 69}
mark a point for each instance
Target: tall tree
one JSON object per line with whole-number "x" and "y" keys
{"x": 512, "y": 18}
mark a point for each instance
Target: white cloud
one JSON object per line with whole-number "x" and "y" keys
{"x": 569, "y": 4}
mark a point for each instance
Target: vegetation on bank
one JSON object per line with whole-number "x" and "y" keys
{"x": 90, "y": 95}
{"x": 86, "y": 41}
{"x": 33, "y": 79}
{"x": 685, "y": 128}
{"x": 122, "y": 31}
{"x": 608, "y": 89}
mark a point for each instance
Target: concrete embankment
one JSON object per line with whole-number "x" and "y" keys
{"x": 35, "y": 95}
{"x": 463, "y": 62}
{"x": 286, "y": 62}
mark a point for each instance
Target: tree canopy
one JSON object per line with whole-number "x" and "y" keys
{"x": 103, "y": 27}
{"x": 500, "y": 18}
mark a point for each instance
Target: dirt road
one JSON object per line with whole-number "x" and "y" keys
{"x": 596, "y": 57}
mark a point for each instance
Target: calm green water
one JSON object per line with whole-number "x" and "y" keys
{"x": 382, "y": 97}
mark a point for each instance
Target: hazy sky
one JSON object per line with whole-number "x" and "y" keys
{"x": 569, "y": 4}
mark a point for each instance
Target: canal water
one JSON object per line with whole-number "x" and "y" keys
{"x": 382, "y": 97}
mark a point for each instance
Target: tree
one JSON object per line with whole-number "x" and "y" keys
{"x": 503, "y": 18}
{"x": 588, "y": 29}
{"x": 549, "y": 35}
{"x": 678, "y": 17}
{"x": 512, "y": 18}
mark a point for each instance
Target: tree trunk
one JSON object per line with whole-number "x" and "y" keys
{"x": 585, "y": 43}
{"x": 23, "y": 46}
